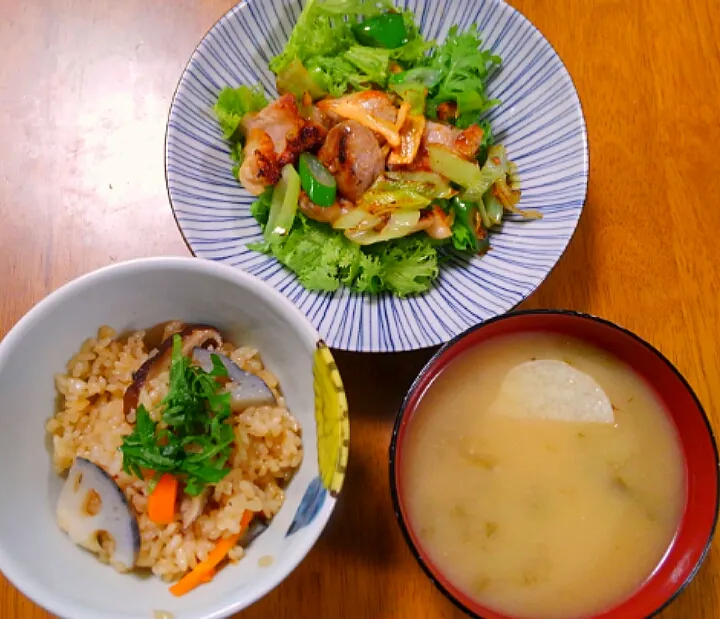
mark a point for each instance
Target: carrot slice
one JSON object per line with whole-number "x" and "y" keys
{"x": 246, "y": 520}
{"x": 205, "y": 571}
{"x": 161, "y": 503}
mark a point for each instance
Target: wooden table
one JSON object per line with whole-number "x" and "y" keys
{"x": 85, "y": 87}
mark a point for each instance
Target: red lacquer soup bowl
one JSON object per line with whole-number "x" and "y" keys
{"x": 692, "y": 540}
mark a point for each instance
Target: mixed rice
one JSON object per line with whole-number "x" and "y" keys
{"x": 91, "y": 423}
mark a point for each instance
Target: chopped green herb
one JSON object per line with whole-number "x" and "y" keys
{"x": 193, "y": 440}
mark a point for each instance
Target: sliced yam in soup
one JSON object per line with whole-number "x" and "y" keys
{"x": 552, "y": 389}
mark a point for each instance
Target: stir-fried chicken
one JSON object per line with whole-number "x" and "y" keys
{"x": 436, "y": 223}
{"x": 260, "y": 167}
{"x": 358, "y": 135}
{"x": 352, "y": 154}
{"x": 275, "y": 137}
{"x": 465, "y": 142}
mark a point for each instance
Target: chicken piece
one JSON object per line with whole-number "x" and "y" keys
{"x": 353, "y": 155}
{"x": 260, "y": 167}
{"x": 371, "y": 108}
{"x": 436, "y": 223}
{"x": 324, "y": 214}
{"x": 440, "y": 133}
{"x": 278, "y": 119}
{"x": 326, "y": 120}
{"x": 464, "y": 143}
{"x": 275, "y": 137}
{"x": 192, "y": 506}
{"x": 441, "y": 226}
{"x": 469, "y": 141}
{"x": 307, "y": 137}
{"x": 410, "y": 139}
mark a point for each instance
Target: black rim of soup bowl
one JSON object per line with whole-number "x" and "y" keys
{"x": 400, "y": 418}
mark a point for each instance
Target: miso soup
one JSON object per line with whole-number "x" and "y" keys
{"x": 553, "y": 496}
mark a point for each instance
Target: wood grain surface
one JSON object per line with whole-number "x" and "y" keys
{"x": 85, "y": 87}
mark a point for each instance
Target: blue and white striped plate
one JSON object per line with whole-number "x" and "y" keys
{"x": 540, "y": 122}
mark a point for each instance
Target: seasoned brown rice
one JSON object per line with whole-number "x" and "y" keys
{"x": 90, "y": 423}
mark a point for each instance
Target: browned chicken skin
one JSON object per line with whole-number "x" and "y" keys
{"x": 260, "y": 167}
{"x": 275, "y": 137}
{"x": 464, "y": 142}
{"x": 352, "y": 154}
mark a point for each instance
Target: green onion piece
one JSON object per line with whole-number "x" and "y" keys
{"x": 493, "y": 207}
{"x": 487, "y": 224}
{"x": 465, "y": 216}
{"x": 386, "y": 30}
{"x": 284, "y": 203}
{"x": 316, "y": 180}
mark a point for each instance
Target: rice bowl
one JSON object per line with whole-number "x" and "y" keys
{"x": 92, "y": 424}
{"x": 70, "y": 582}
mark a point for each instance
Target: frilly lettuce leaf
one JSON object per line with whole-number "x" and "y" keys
{"x": 324, "y": 259}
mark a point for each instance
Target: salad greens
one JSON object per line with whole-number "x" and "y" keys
{"x": 194, "y": 442}
{"x": 231, "y": 106}
{"x": 387, "y": 30}
{"x": 234, "y": 103}
{"x": 463, "y": 70}
{"x": 324, "y": 259}
{"x": 338, "y": 46}
{"x": 324, "y": 42}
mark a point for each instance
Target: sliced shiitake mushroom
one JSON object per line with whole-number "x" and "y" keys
{"x": 192, "y": 336}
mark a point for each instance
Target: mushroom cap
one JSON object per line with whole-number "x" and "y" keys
{"x": 192, "y": 336}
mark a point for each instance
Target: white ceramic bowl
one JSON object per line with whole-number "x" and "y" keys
{"x": 35, "y": 554}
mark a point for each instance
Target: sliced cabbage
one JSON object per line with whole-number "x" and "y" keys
{"x": 378, "y": 202}
{"x": 452, "y": 166}
{"x": 429, "y": 184}
{"x": 358, "y": 219}
{"x": 400, "y": 224}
